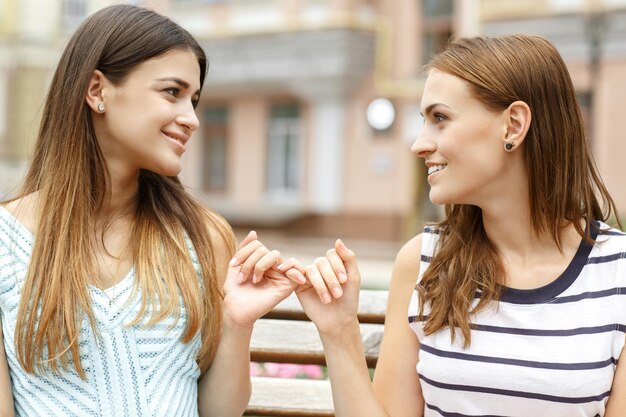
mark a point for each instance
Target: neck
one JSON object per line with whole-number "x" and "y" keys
{"x": 511, "y": 231}
{"x": 124, "y": 185}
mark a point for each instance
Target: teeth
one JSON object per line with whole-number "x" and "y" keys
{"x": 435, "y": 168}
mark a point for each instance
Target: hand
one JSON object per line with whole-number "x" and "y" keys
{"x": 254, "y": 285}
{"x": 338, "y": 275}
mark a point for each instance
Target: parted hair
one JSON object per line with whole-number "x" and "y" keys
{"x": 563, "y": 181}
{"x": 70, "y": 177}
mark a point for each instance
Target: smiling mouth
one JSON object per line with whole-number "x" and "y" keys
{"x": 436, "y": 168}
{"x": 174, "y": 138}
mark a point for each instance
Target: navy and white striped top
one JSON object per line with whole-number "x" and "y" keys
{"x": 550, "y": 351}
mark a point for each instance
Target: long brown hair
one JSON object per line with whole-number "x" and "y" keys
{"x": 69, "y": 174}
{"x": 563, "y": 181}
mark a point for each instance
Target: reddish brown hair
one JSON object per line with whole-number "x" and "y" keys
{"x": 563, "y": 181}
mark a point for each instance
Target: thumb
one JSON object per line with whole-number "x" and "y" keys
{"x": 348, "y": 257}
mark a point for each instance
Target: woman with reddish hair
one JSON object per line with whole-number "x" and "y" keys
{"x": 515, "y": 303}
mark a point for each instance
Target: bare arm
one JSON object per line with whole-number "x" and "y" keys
{"x": 616, "y": 407}
{"x": 225, "y": 388}
{"x": 396, "y": 390}
{"x": 396, "y": 382}
{"x": 252, "y": 287}
{"x": 6, "y": 395}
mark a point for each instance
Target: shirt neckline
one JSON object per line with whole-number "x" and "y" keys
{"x": 560, "y": 284}
{"x": 19, "y": 227}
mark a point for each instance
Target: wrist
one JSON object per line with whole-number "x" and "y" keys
{"x": 231, "y": 325}
{"x": 340, "y": 330}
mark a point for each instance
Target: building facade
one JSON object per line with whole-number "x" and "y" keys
{"x": 310, "y": 106}
{"x": 286, "y": 141}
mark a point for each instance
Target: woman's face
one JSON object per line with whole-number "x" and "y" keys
{"x": 151, "y": 115}
{"x": 462, "y": 143}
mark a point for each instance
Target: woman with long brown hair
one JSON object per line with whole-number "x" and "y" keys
{"x": 119, "y": 292}
{"x": 514, "y": 304}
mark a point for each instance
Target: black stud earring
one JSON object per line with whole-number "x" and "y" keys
{"x": 508, "y": 146}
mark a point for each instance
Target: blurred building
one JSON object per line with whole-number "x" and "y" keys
{"x": 310, "y": 105}
{"x": 32, "y": 36}
{"x": 289, "y": 136}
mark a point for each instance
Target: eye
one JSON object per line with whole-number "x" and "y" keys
{"x": 439, "y": 117}
{"x": 173, "y": 91}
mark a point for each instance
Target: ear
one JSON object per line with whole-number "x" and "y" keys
{"x": 518, "y": 119}
{"x": 96, "y": 90}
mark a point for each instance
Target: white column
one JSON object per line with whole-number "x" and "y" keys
{"x": 327, "y": 156}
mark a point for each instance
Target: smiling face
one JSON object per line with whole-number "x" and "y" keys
{"x": 462, "y": 143}
{"x": 150, "y": 116}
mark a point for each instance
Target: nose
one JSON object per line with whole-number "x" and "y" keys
{"x": 423, "y": 145}
{"x": 188, "y": 118}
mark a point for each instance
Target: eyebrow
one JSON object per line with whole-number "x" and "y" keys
{"x": 178, "y": 81}
{"x": 430, "y": 108}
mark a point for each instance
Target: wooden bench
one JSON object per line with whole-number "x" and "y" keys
{"x": 286, "y": 336}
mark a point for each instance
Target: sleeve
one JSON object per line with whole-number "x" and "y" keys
{"x": 430, "y": 237}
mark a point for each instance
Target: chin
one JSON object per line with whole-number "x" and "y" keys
{"x": 437, "y": 199}
{"x": 168, "y": 171}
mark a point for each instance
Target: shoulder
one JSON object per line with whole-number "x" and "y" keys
{"x": 24, "y": 210}
{"x": 406, "y": 267}
{"x": 410, "y": 254}
{"x": 221, "y": 233}
{"x": 221, "y": 239}
{"x": 610, "y": 241}
{"x": 418, "y": 250}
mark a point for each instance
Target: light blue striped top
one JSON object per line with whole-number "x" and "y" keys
{"x": 131, "y": 371}
{"x": 550, "y": 351}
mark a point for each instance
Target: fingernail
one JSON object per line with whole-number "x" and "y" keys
{"x": 241, "y": 277}
{"x": 326, "y": 298}
{"x": 342, "y": 277}
{"x": 233, "y": 262}
{"x": 301, "y": 279}
{"x": 341, "y": 245}
{"x": 337, "y": 292}
{"x": 281, "y": 266}
{"x": 254, "y": 279}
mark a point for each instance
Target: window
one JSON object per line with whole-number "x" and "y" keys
{"x": 437, "y": 26}
{"x": 215, "y": 121}
{"x": 431, "y": 8}
{"x": 283, "y": 151}
{"x": 74, "y": 12}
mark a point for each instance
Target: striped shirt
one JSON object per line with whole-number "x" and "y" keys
{"x": 550, "y": 351}
{"x": 131, "y": 371}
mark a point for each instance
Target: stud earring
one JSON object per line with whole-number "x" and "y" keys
{"x": 508, "y": 147}
{"x": 101, "y": 107}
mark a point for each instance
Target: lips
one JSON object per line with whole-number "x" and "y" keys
{"x": 178, "y": 137}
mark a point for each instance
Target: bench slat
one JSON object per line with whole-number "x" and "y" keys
{"x": 297, "y": 397}
{"x": 372, "y": 307}
{"x": 286, "y": 336}
{"x": 299, "y": 342}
